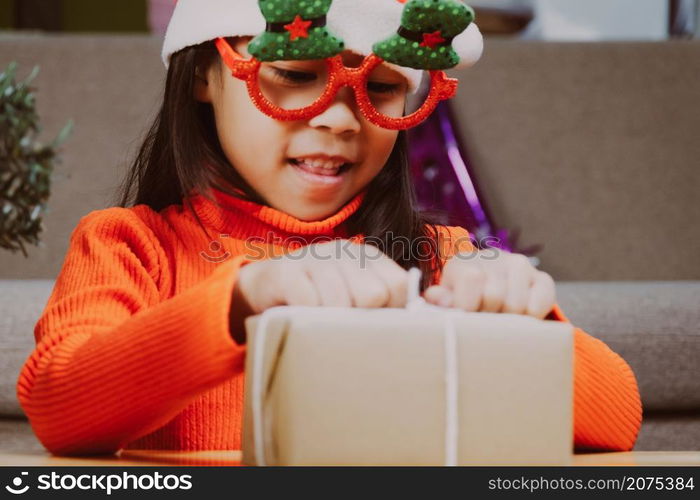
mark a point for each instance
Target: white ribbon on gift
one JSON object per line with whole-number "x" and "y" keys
{"x": 417, "y": 303}
{"x": 414, "y": 303}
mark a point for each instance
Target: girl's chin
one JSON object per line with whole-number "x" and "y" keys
{"x": 311, "y": 197}
{"x": 312, "y": 212}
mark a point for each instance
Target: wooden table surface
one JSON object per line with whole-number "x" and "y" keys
{"x": 165, "y": 458}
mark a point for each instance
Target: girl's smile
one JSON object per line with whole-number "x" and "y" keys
{"x": 321, "y": 172}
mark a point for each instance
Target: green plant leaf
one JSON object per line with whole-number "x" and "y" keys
{"x": 7, "y": 77}
{"x": 32, "y": 75}
{"x": 63, "y": 134}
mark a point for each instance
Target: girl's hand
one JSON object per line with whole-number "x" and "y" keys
{"x": 337, "y": 273}
{"x": 494, "y": 281}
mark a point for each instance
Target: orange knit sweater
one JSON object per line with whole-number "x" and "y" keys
{"x": 134, "y": 349}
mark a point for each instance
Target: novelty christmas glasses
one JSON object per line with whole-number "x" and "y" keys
{"x": 296, "y": 69}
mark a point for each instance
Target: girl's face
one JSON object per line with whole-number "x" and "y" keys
{"x": 308, "y": 169}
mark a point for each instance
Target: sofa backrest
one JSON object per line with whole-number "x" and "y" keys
{"x": 592, "y": 150}
{"x": 111, "y": 87}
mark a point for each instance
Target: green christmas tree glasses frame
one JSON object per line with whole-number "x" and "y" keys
{"x": 312, "y": 96}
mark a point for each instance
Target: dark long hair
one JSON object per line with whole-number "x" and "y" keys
{"x": 181, "y": 153}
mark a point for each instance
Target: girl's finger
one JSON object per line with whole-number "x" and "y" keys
{"x": 330, "y": 285}
{"x": 495, "y": 291}
{"x": 438, "y": 295}
{"x": 365, "y": 287}
{"x": 299, "y": 289}
{"x": 467, "y": 286}
{"x": 395, "y": 279}
{"x": 520, "y": 276}
{"x": 542, "y": 295}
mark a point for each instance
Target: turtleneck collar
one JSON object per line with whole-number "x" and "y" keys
{"x": 241, "y": 218}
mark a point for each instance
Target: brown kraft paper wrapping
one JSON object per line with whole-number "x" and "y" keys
{"x": 349, "y": 386}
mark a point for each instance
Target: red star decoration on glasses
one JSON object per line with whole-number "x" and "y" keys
{"x": 432, "y": 39}
{"x": 298, "y": 28}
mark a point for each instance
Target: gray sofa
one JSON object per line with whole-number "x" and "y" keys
{"x": 588, "y": 149}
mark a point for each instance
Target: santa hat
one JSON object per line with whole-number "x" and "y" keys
{"x": 427, "y": 27}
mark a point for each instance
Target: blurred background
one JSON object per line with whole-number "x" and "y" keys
{"x": 574, "y": 140}
{"x": 541, "y": 19}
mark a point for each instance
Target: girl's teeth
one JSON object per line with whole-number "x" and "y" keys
{"x": 319, "y": 167}
{"x": 316, "y": 163}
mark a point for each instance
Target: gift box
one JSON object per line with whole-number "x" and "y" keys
{"x": 350, "y": 386}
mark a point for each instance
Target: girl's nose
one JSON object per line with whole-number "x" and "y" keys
{"x": 342, "y": 116}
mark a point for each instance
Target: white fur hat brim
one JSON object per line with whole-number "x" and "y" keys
{"x": 360, "y": 23}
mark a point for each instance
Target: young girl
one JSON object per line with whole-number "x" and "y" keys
{"x": 234, "y": 206}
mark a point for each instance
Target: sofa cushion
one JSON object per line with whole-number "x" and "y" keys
{"x": 16, "y": 435}
{"x": 654, "y": 326}
{"x": 22, "y": 304}
{"x": 669, "y": 432}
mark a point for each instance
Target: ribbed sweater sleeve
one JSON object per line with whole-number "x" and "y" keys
{"x": 114, "y": 361}
{"x": 607, "y": 405}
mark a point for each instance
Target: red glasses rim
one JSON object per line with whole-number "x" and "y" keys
{"x": 355, "y": 77}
